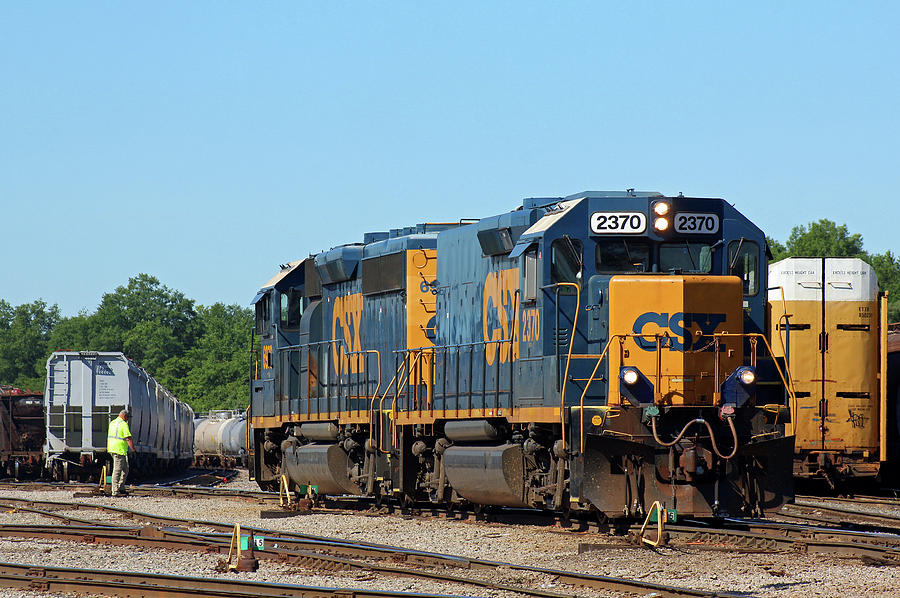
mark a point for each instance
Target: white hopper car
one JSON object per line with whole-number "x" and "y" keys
{"x": 85, "y": 391}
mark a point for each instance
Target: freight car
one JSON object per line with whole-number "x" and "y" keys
{"x": 22, "y": 432}
{"x": 830, "y": 320}
{"x": 220, "y": 439}
{"x": 600, "y": 352}
{"x": 85, "y": 391}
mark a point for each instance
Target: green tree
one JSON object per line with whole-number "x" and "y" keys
{"x": 827, "y": 239}
{"x": 73, "y": 334}
{"x": 779, "y": 251}
{"x": 887, "y": 268}
{"x": 199, "y": 353}
{"x": 217, "y": 376}
{"x": 147, "y": 321}
{"x": 24, "y": 335}
{"x": 824, "y": 239}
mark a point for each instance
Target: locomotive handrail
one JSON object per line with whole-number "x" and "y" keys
{"x": 590, "y": 380}
{"x": 753, "y": 336}
{"x": 366, "y": 377}
{"x": 445, "y": 352}
{"x": 588, "y": 385}
{"x": 345, "y": 356}
{"x": 756, "y": 335}
{"x": 562, "y": 396}
{"x": 787, "y": 365}
{"x": 381, "y": 410}
{"x": 784, "y": 347}
{"x": 397, "y": 395}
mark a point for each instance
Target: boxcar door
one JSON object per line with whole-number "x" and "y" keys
{"x": 806, "y": 358}
{"x": 850, "y": 357}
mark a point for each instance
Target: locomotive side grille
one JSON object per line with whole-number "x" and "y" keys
{"x": 561, "y": 336}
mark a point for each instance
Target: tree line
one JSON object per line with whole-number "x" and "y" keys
{"x": 199, "y": 353}
{"x": 824, "y": 238}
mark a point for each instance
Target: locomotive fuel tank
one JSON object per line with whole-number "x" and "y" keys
{"x": 487, "y": 475}
{"x": 322, "y": 465}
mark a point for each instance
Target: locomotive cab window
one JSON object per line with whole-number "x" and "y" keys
{"x": 531, "y": 275}
{"x": 291, "y": 309}
{"x": 622, "y": 255}
{"x": 263, "y": 314}
{"x": 565, "y": 263}
{"x": 743, "y": 262}
{"x": 686, "y": 256}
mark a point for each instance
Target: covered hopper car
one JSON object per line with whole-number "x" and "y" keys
{"x": 85, "y": 391}
{"x": 599, "y": 352}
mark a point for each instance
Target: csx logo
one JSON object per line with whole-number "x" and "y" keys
{"x": 680, "y": 325}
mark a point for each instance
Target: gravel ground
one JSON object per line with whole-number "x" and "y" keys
{"x": 769, "y": 575}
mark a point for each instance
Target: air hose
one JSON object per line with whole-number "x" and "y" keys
{"x": 712, "y": 436}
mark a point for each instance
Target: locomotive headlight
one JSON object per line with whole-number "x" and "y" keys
{"x": 661, "y": 208}
{"x": 661, "y": 224}
{"x": 748, "y": 377}
{"x": 630, "y": 376}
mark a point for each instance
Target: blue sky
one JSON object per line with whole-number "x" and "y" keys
{"x": 206, "y": 142}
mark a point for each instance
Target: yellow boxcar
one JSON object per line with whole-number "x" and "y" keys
{"x": 827, "y": 315}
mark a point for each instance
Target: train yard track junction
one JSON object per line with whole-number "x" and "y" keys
{"x": 835, "y": 530}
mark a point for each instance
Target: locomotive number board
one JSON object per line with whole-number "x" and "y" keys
{"x": 696, "y": 223}
{"x": 618, "y": 223}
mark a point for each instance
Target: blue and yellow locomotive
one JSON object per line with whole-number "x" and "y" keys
{"x": 597, "y": 352}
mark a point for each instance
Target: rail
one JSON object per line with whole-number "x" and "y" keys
{"x": 316, "y": 550}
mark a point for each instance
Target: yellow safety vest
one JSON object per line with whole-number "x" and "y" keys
{"x": 118, "y": 432}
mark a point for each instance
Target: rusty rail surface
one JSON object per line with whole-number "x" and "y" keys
{"x": 152, "y": 585}
{"x": 323, "y": 552}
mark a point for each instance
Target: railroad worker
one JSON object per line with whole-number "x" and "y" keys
{"x": 118, "y": 442}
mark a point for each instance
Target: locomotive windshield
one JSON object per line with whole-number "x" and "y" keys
{"x": 262, "y": 314}
{"x": 565, "y": 262}
{"x": 685, "y": 256}
{"x": 291, "y": 309}
{"x": 621, "y": 255}
{"x": 743, "y": 262}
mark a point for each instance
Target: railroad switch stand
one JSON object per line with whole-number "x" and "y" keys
{"x": 660, "y": 515}
{"x": 241, "y": 550}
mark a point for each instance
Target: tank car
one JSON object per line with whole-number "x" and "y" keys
{"x": 829, "y": 319}
{"x": 85, "y": 391}
{"x": 599, "y": 352}
{"x": 22, "y": 432}
{"x": 220, "y": 439}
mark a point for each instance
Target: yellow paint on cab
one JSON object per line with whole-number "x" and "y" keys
{"x": 684, "y": 311}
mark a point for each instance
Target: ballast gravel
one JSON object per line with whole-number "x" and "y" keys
{"x": 765, "y": 575}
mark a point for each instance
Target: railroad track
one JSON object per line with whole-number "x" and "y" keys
{"x": 840, "y": 515}
{"x": 885, "y": 501}
{"x": 313, "y": 551}
{"x": 149, "y": 585}
{"x": 735, "y": 535}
